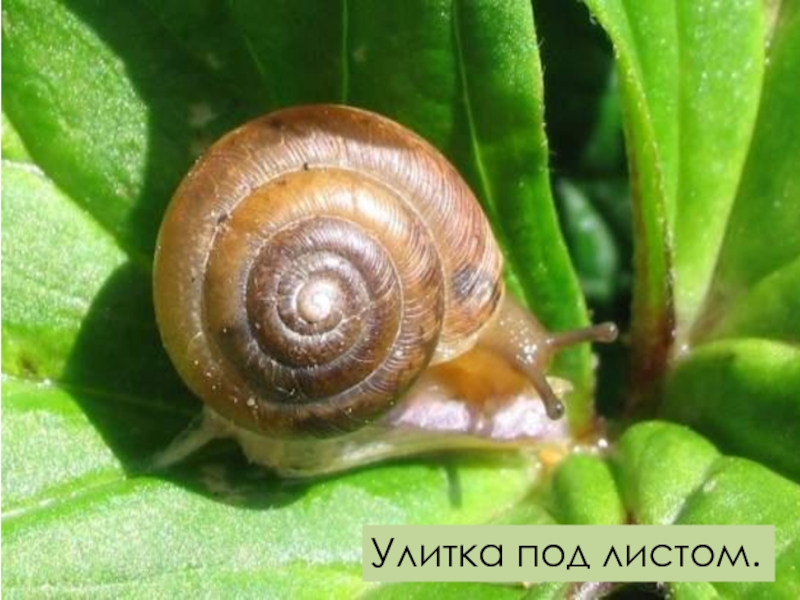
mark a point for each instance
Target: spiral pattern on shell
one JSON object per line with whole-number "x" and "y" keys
{"x": 311, "y": 265}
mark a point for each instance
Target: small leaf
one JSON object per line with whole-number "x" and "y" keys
{"x": 660, "y": 466}
{"x": 591, "y": 242}
{"x": 744, "y": 395}
{"x": 668, "y": 474}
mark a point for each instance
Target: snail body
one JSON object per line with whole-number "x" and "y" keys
{"x": 311, "y": 269}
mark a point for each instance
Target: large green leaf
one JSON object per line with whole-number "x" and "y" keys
{"x": 107, "y": 105}
{"x": 709, "y": 101}
{"x": 105, "y": 109}
{"x": 718, "y": 205}
{"x": 755, "y": 288}
{"x": 754, "y": 297}
{"x": 681, "y": 65}
{"x": 218, "y": 526}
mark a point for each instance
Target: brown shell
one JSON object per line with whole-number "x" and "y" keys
{"x": 313, "y": 263}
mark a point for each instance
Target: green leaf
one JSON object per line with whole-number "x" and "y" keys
{"x": 217, "y": 526}
{"x": 756, "y": 288}
{"x": 105, "y": 109}
{"x": 501, "y": 87}
{"x": 727, "y": 183}
{"x": 45, "y": 298}
{"x": 116, "y": 115}
{"x": 744, "y": 395}
{"x": 207, "y": 31}
{"x": 667, "y": 474}
{"x": 591, "y": 242}
{"x": 681, "y": 66}
{"x": 13, "y": 148}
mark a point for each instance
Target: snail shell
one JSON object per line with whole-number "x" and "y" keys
{"x": 313, "y": 263}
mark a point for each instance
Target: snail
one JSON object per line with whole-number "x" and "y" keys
{"x": 319, "y": 274}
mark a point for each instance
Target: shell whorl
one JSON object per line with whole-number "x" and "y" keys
{"x": 311, "y": 265}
